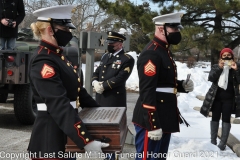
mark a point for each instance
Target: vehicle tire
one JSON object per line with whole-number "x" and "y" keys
{"x": 25, "y": 107}
{"x": 3, "y": 97}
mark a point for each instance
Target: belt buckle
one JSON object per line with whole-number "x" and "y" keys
{"x": 175, "y": 90}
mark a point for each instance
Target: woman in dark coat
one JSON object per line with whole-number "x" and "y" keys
{"x": 223, "y": 96}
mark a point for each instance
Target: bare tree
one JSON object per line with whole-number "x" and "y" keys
{"x": 30, "y": 6}
{"x": 86, "y": 12}
{"x": 62, "y": 2}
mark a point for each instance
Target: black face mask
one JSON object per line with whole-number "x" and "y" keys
{"x": 227, "y": 58}
{"x": 110, "y": 49}
{"x": 63, "y": 37}
{"x": 174, "y": 38}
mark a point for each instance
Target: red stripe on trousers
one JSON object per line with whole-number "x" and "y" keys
{"x": 145, "y": 146}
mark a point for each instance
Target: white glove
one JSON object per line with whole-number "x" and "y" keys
{"x": 95, "y": 147}
{"x": 155, "y": 135}
{"x": 189, "y": 86}
{"x": 98, "y": 87}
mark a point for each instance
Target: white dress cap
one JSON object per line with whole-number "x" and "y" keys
{"x": 60, "y": 14}
{"x": 168, "y": 18}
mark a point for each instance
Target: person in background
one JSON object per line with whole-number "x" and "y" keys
{"x": 110, "y": 76}
{"x": 156, "y": 114}
{"x": 223, "y": 96}
{"x": 12, "y": 13}
{"x": 57, "y": 89}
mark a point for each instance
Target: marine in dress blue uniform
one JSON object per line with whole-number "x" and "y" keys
{"x": 112, "y": 73}
{"x": 56, "y": 88}
{"x": 156, "y": 114}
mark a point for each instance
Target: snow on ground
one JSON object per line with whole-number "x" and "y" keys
{"x": 192, "y": 142}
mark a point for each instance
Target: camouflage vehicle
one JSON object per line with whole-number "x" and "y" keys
{"x": 14, "y": 74}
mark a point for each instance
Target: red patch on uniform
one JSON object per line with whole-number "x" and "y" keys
{"x": 47, "y": 71}
{"x": 149, "y": 68}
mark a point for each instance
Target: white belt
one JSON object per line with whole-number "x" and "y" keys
{"x": 43, "y": 106}
{"x": 167, "y": 90}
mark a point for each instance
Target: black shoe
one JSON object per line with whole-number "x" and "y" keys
{"x": 221, "y": 146}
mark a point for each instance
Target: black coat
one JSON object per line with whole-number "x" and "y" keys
{"x": 114, "y": 73}
{"x": 213, "y": 77}
{"x": 156, "y": 68}
{"x": 55, "y": 83}
{"x": 11, "y": 9}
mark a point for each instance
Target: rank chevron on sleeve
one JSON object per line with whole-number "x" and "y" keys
{"x": 149, "y": 68}
{"x": 47, "y": 71}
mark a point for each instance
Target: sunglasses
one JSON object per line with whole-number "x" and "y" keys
{"x": 111, "y": 42}
{"x": 174, "y": 25}
{"x": 226, "y": 55}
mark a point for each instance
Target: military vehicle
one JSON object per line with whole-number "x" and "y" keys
{"x": 14, "y": 74}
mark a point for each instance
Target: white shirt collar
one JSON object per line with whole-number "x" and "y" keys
{"x": 117, "y": 52}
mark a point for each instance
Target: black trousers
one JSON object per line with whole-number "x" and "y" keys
{"x": 223, "y": 108}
